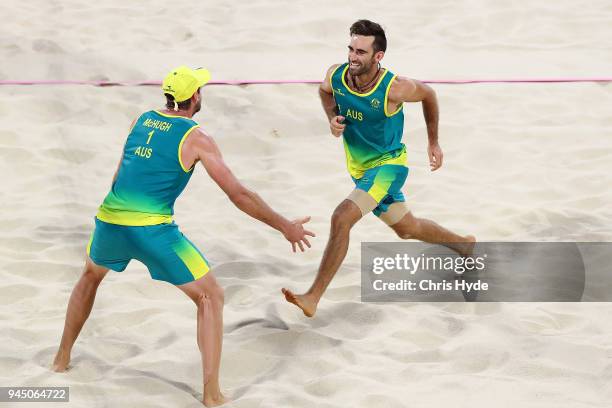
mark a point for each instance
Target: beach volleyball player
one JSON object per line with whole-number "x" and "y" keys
{"x": 363, "y": 103}
{"x": 135, "y": 219}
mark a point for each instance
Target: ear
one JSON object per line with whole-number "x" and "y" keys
{"x": 195, "y": 97}
{"x": 379, "y": 56}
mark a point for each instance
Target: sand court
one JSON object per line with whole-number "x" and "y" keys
{"x": 523, "y": 162}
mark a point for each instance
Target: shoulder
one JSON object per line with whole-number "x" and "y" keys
{"x": 326, "y": 84}
{"x": 410, "y": 90}
{"x": 198, "y": 135}
{"x": 198, "y": 139}
{"x": 139, "y": 118}
{"x": 402, "y": 86}
{"x": 332, "y": 68}
{"x": 134, "y": 122}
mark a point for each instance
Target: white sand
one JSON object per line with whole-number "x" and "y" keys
{"x": 522, "y": 162}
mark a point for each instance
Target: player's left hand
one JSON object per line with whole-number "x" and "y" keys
{"x": 435, "y": 156}
{"x": 297, "y": 234}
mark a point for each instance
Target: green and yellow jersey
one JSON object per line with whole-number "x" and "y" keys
{"x": 373, "y": 135}
{"x": 151, "y": 175}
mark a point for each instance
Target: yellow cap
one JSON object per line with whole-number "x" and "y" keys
{"x": 183, "y": 82}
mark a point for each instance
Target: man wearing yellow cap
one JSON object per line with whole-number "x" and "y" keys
{"x": 135, "y": 219}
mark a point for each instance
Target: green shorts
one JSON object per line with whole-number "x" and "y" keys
{"x": 165, "y": 251}
{"x": 384, "y": 184}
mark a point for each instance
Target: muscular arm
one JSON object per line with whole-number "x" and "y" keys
{"x": 327, "y": 94}
{"x": 203, "y": 148}
{"x": 411, "y": 90}
{"x": 328, "y": 102}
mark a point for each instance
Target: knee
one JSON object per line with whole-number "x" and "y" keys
{"x": 408, "y": 227}
{"x": 214, "y": 294}
{"x": 404, "y": 234}
{"x": 91, "y": 276}
{"x": 341, "y": 220}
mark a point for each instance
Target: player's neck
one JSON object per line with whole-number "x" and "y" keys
{"x": 186, "y": 114}
{"x": 367, "y": 80}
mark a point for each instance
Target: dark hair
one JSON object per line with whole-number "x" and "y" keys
{"x": 185, "y": 105}
{"x": 369, "y": 28}
{"x": 181, "y": 105}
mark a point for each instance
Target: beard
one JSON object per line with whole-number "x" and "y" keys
{"x": 362, "y": 69}
{"x": 198, "y": 106}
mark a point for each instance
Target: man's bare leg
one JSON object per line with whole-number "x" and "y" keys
{"x": 208, "y": 297}
{"x": 343, "y": 219}
{"x": 79, "y": 306}
{"x": 410, "y": 227}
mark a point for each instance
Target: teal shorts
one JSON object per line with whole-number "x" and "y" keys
{"x": 165, "y": 251}
{"x": 384, "y": 184}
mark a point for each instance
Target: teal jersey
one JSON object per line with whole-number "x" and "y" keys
{"x": 373, "y": 135}
{"x": 151, "y": 175}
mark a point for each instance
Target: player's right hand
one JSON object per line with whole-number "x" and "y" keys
{"x": 296, "y": 234}
{"x": 336, "y": 126}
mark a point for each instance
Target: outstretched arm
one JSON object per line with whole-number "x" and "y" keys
{"x": 411, "y": 90}
{"x": 206, "y": 151}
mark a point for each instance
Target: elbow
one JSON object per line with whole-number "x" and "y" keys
{"x": 239, "y": 197}
{"x": 323, "y": 93}
{"x": 422, "y": 92}
{"x": 430, "y": 94}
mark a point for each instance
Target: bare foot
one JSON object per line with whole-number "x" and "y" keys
{"x": 304, "y": 302}
{"x": 60, "y": 363}
{"x": 219, "y": 399}
{"x": 469, "y": 246}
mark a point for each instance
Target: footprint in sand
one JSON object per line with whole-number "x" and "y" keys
{"x": 46, "y": 46}
{"x": 17, "y": 293}
{"x": 292, "y": 343}
{"x": 551, "y": 323}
